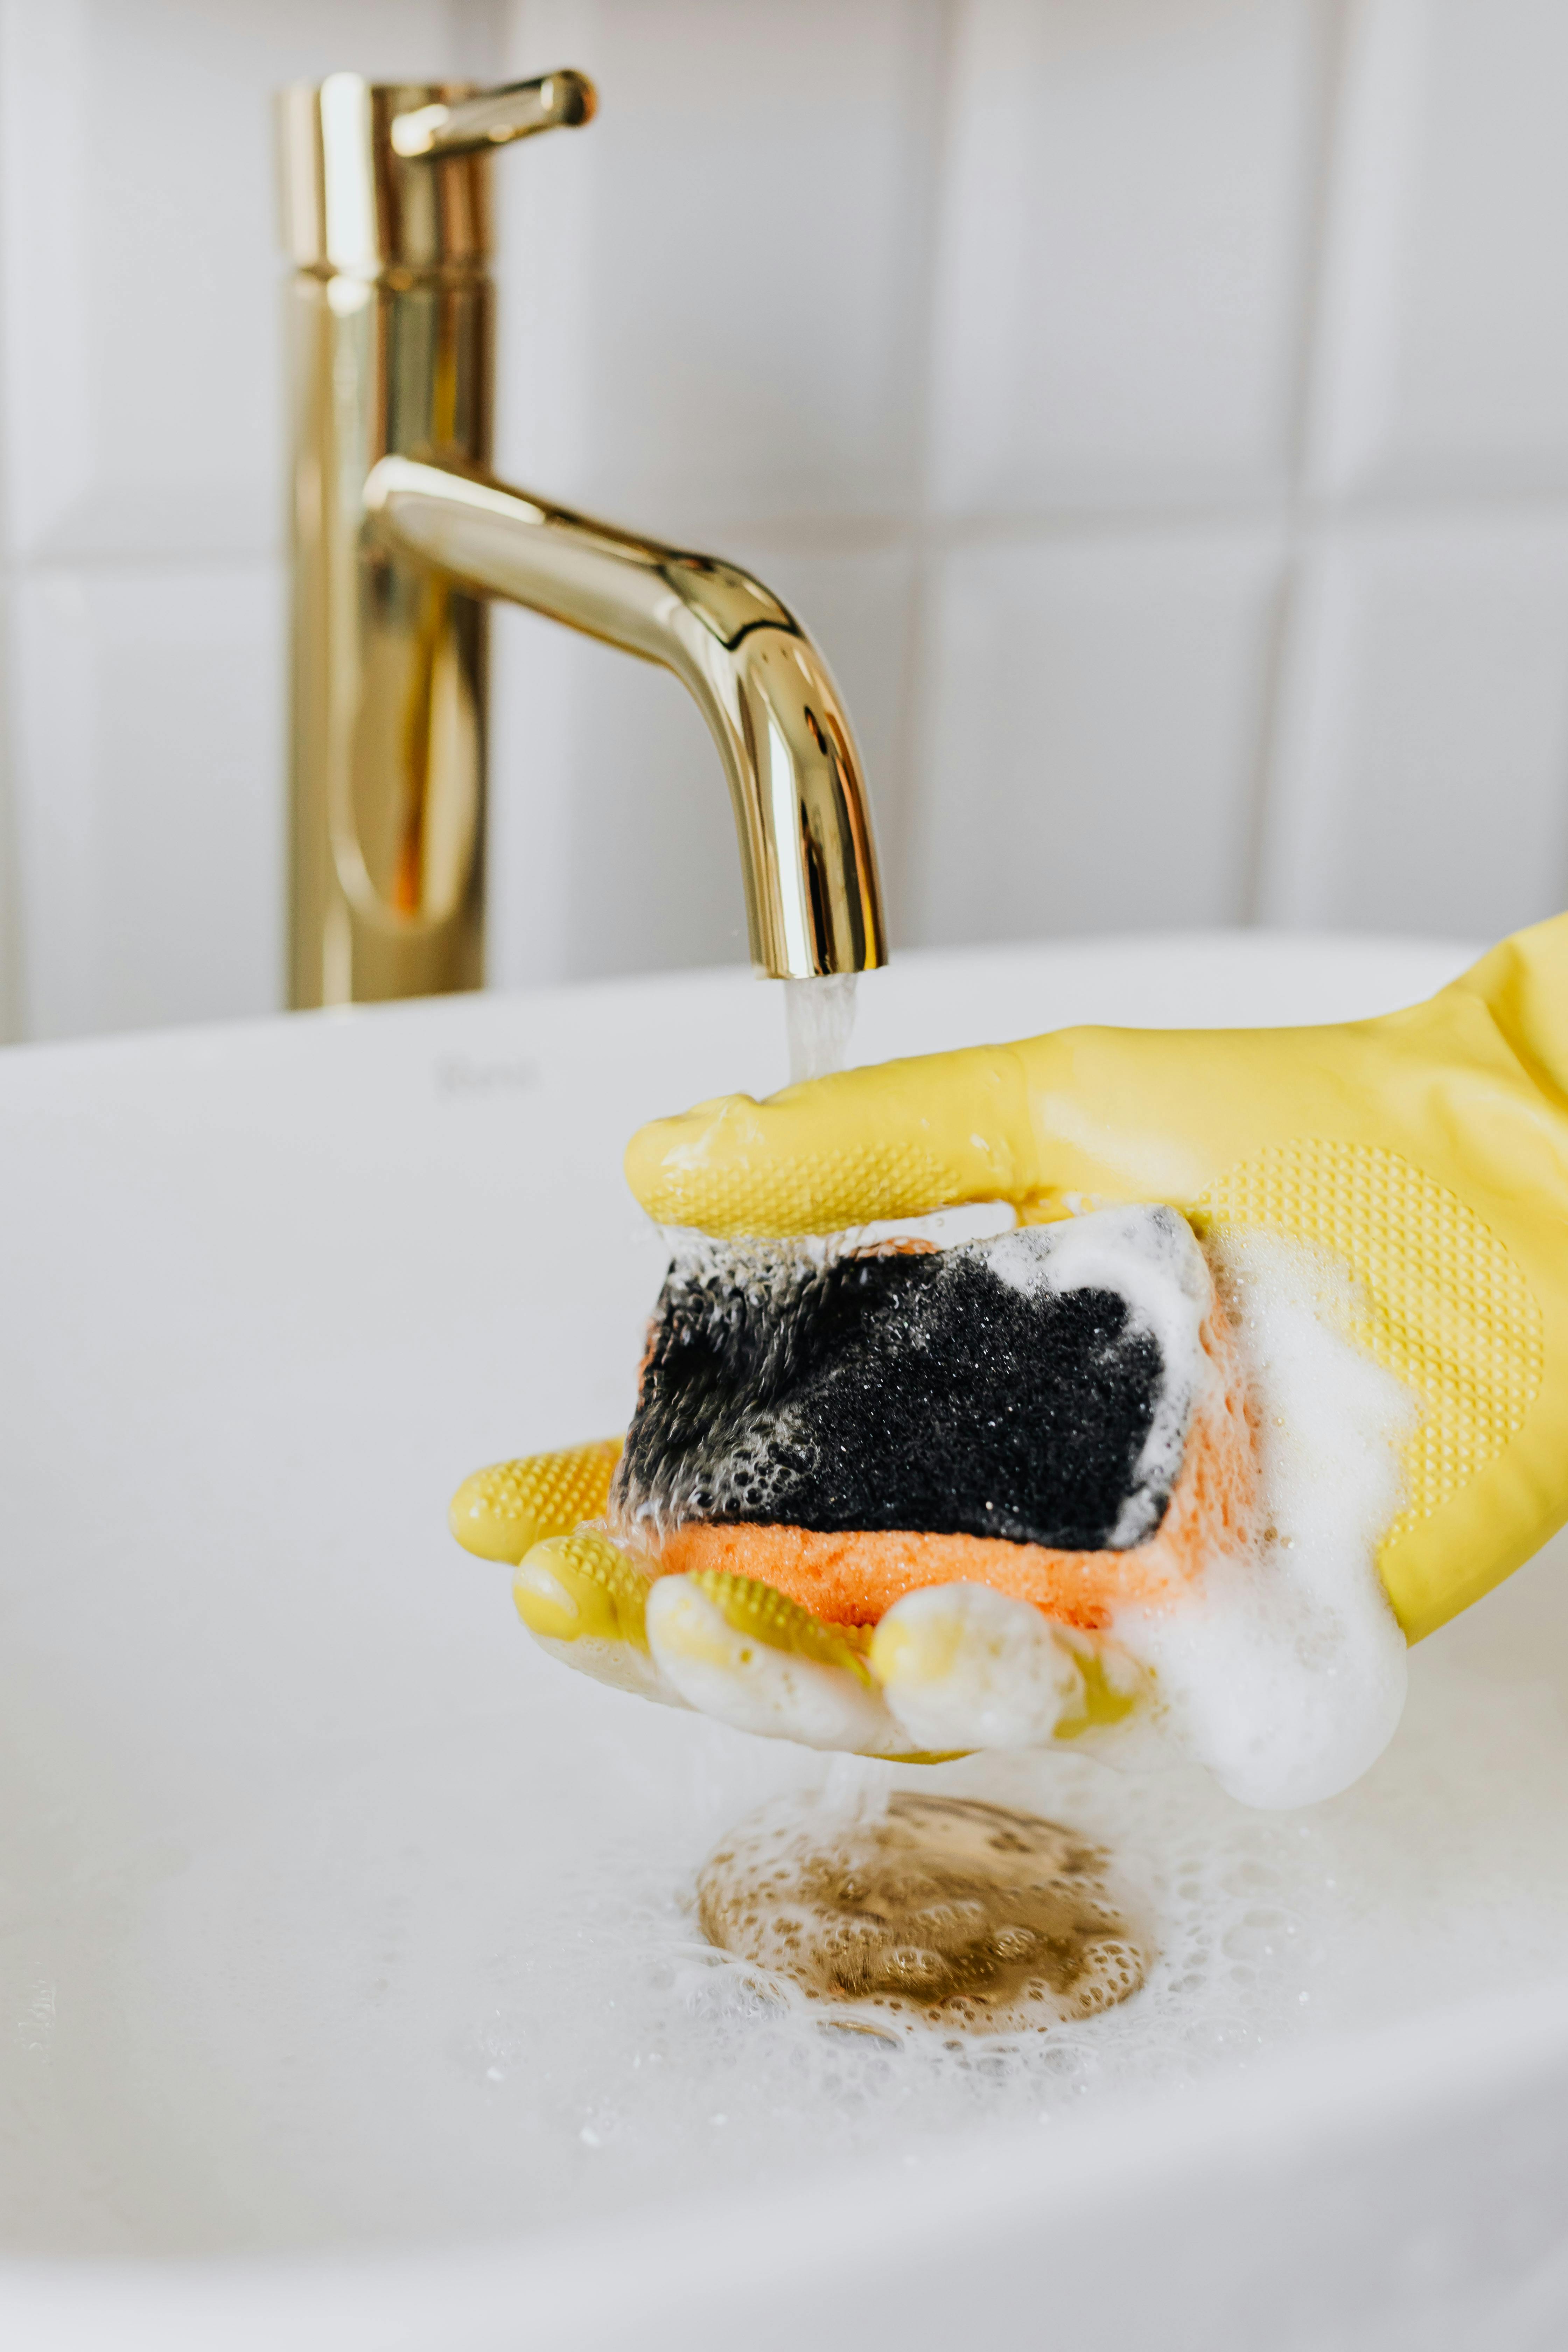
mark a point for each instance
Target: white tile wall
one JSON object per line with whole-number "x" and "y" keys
{"x": 1158, "y": 407}
{"x": 148, "y": 717}
{"x": 1426, "y": 739}
{"x": 1128, "y": 192}
{"x": 753, "y": 317}
{"x": 1095, "y": 733}
{"x": 1445, "y": 351}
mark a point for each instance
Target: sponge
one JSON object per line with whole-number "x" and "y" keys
{"x": 1054, "y": 1412}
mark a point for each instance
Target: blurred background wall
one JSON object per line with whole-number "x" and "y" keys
{"x": 1158, "y": 408}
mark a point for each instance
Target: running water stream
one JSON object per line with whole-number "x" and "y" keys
{"x": 819, "y": 1014}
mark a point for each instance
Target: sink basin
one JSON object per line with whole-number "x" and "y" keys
{"x": 351, "y": 1991}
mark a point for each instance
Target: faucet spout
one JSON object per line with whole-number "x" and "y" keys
{"x": 807, "y": 856}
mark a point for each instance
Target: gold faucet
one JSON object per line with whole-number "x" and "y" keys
{"x": 400, "y": 533}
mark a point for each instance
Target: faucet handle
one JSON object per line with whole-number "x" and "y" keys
{"x": 470, "y": 126}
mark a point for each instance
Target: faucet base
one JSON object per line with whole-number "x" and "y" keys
{"x": 390, "y": 656}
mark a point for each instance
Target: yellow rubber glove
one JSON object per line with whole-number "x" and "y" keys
{"x": 945, "y": 1670}
{"x": 1427, "y": 1150}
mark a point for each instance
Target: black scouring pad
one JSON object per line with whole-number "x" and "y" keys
{"x": 935, "y": 1392}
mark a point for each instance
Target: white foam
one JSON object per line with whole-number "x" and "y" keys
{"x": 1005, "y": 1679}
{"x": 1283, "y": 1670}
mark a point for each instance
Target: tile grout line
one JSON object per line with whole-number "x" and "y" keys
{"x": 1331, "y": 44}
{"x": 1297, "y": 511}
{"x": 13, "y": 966}
{"x": 932, "y": 143}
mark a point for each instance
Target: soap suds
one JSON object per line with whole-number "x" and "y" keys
{"x": 1283, "y": 1670}
{"x": 929, "y": 1910}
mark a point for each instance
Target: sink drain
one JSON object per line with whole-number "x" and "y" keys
{"x": 940, "y": 1909}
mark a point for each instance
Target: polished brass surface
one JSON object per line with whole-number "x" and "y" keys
{"x": 400, "y": 534}
{"x": 352, "y": 203}
{"x": 390, "y": 319}
{"x": 807, "y": 859}
{"x": 560, "y": 100}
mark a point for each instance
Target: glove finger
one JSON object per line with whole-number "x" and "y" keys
{"x": 503, "y": 1512}
{"x": 894, "y": 1140}
{"x": 961, "y": 1665}
{"x": 748, "y": 1655}
{"x": 584, "y": 1600}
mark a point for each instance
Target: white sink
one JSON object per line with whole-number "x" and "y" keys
{"x": 349, "y": 1994}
